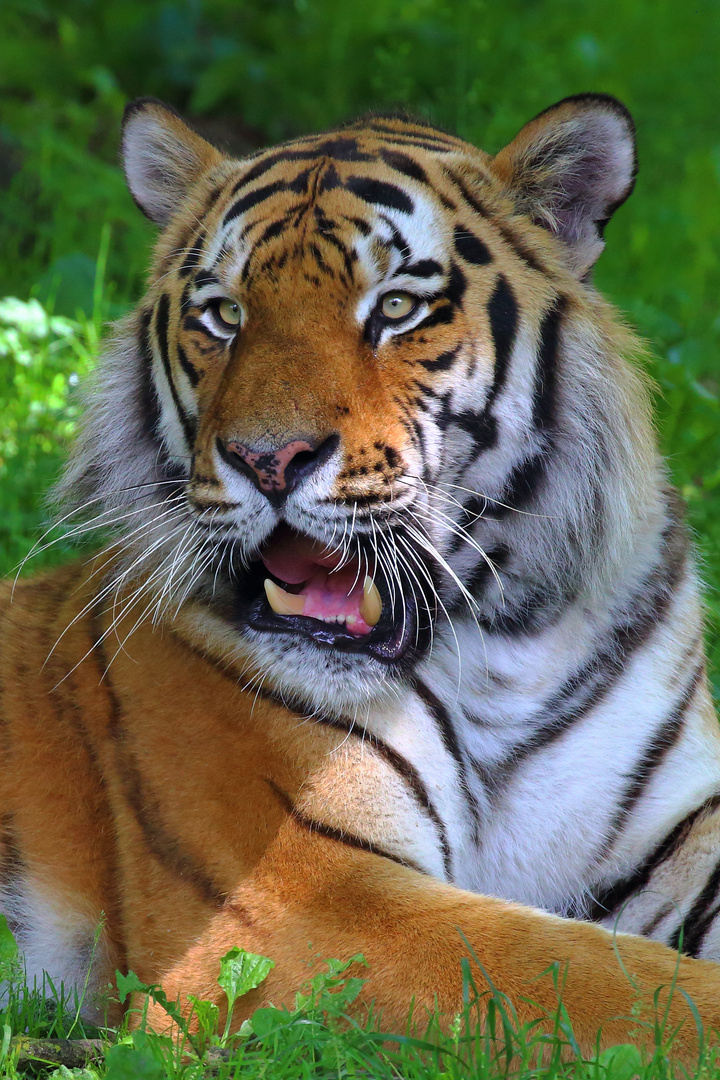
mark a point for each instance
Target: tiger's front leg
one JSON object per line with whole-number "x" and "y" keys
{"x": 312, "y": 897}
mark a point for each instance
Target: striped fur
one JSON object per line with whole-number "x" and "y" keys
{"x": 545, "y": 734}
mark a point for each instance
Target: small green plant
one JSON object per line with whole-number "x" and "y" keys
{"x": 240, "y": 972}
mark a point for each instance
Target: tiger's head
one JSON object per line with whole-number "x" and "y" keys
{"x": 370, "y": 392}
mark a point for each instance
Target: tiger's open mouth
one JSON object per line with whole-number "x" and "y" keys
{"x": 298, "y": 585}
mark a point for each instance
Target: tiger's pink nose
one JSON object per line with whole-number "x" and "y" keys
{"x": 278, "y": 472}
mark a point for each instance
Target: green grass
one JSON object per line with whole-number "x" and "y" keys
{"x": 323, "y": 1035}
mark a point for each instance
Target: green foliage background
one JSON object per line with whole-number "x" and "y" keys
{"x": 250, "y": 72}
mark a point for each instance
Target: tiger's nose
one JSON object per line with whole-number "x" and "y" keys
{"x": 277, "y": 472}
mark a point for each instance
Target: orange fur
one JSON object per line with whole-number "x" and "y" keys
{"x": 169, "y": 821}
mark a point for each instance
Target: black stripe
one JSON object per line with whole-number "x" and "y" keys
{"x": 205, "y": 277}
{"x": 404, "y": 164}
{"x": 192, "y": 258}
{"x": 443, "y": 362}
{"x": 360, "y": 224}
{"x": 519, "y": 248}
{"x": 165, "y": 847}
{"x": 423, "y": 144}
{"x": 191, "y": 322}
{"x": 457, "y": 284}
{"x": 319, "y": 260}
{"x": 471, "y": 248}
{"x": 162, "y": 319}
{"x": 331, "y": 833}
{"x": 273, "y": 230}
{"x": 614, "y": 896}
{"x": 420, "y": 136}
{"x": 520, "y": 487}
{"x": 525, "y": 478}
{"x": 543, "y": 403}
{"x": 349, "y": 257}
{"x": 192, "y": 373}
{"x": 258, "y": 170}
{"x": 484, "y": 573}
{"x": 64, "y": 698}
{"x": 450, "y": 741}
{"x": 329, "y": 181}
{"x": 422, "y": 269}
{"x": 700, "y": 918}
{"x": 444, "y": 313}
{"x": 659, "y": 747}
{"x": 503, "y": 317}
{"x": 149, "y": 404}
{"x": 398, "y": 240}
{"x": 596, "y": 679}
{"x": 380, "y": 193}
{"x": 252, "y": 199}
{"x": 470, "y": 198}
{"x": 342, "y": 148}
{"x": 408, "y": 773}
{"x": 301, "y": 182}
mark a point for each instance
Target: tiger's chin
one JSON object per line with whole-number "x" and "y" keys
{"x": 317, "y": 679}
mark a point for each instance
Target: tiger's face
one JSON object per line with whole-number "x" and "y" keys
{"x": 339, "y": 370}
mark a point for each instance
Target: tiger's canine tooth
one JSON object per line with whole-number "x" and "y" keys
{"x": 371, "y": 604}
{"x": 283, "y": 603}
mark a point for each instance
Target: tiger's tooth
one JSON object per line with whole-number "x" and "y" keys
{"x": 371, "y": 603}
{"x": 283, "y": 603}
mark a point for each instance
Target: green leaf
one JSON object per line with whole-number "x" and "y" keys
{"x": 621, "y": 1062}
{"x": 266, "y": 1021}
{"x": 207, "y": 1014}
{"x": 8, "y": 945}
{"x": 129, "y": 984}
{"x": 242, "y": 971}
{"x": 129, "y": 1063}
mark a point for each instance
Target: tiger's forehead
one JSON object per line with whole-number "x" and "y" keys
{"x": 364, "y": 194}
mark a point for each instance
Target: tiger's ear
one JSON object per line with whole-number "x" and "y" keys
{"x": 570, "y": 168}
{"x": 163, "y": 158}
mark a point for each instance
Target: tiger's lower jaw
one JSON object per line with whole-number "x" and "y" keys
{"x": 323, "y": 661}
{"x": 388, "y": 642}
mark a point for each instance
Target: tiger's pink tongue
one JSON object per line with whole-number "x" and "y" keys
{"x": 329, "y": 596}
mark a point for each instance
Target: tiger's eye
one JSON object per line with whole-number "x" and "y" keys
{"x": 229, "y": 312}
{"x": 397, "y": 305}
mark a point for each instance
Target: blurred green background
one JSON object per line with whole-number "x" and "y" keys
{"x": 250, "y": 72}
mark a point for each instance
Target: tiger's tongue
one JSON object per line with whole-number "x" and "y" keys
{"x": 299, "y": 560}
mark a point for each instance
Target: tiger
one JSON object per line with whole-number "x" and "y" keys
{"x": 394, "y": 647}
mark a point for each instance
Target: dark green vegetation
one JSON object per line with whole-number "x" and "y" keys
{"x": 249, "y": 73}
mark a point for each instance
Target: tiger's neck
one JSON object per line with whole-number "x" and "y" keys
{"x": 577, "y": 734}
